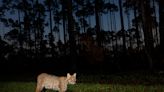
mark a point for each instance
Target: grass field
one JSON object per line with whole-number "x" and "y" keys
{"x": 93, "y": 83}
{"x": 82, "y": 87}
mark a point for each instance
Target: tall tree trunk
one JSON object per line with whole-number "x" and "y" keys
{"x": 39, "y": 29}
{"x": 34, "y": 29}
{"x": 51, "y": 31}
{"x": 122, "y": 26}
{"x": 50, "y": 18}
{"x": 27, "y": 29}
{"x": 64, "y": 24}
{"x": 155, "y": 26}
{"x": 97, "y": 17}
{"x": 147, "y": 27}
{"x": 20, "y": 30}
{"x": 71, "y": 32}
{"x": 161, "y": 25}
{"x": 136, "y": 25}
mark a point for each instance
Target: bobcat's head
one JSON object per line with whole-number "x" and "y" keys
{"x": 71, "y": 78}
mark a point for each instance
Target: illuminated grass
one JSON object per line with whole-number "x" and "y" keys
{"x": 17, "y": 87}
{"x": 136, "y": 82}
{"x": 116, "y": 88}
{"x": 82, "y": 87}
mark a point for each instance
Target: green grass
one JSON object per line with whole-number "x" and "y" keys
{"x": 17, "y": 86}
{"x": 82, "y": 87}
{"x": 93, "y": 83}
{"x": 116, "y": 88}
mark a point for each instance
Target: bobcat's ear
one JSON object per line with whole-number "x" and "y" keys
{"x": 68, "y": 75}
{"x": 74, "y": 74}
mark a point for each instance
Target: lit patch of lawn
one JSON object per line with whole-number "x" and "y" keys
{"x": 17, "y": 86}
{"x": 86, "y": 87}
{"x": 82, "y": 87}
{"x": 139, "y": 82}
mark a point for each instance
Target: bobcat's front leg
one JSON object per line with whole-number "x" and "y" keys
{"x": 61, "y": 91}
{"x": 43, "y": 90}
{"x": 62, "y": 86}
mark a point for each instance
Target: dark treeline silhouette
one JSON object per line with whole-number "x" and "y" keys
{"x": 81, "y": 35}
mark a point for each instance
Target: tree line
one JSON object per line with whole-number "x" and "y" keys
{"x": 55, "y": 28}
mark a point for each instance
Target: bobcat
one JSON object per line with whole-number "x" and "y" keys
{"x": 47, "y": 81}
